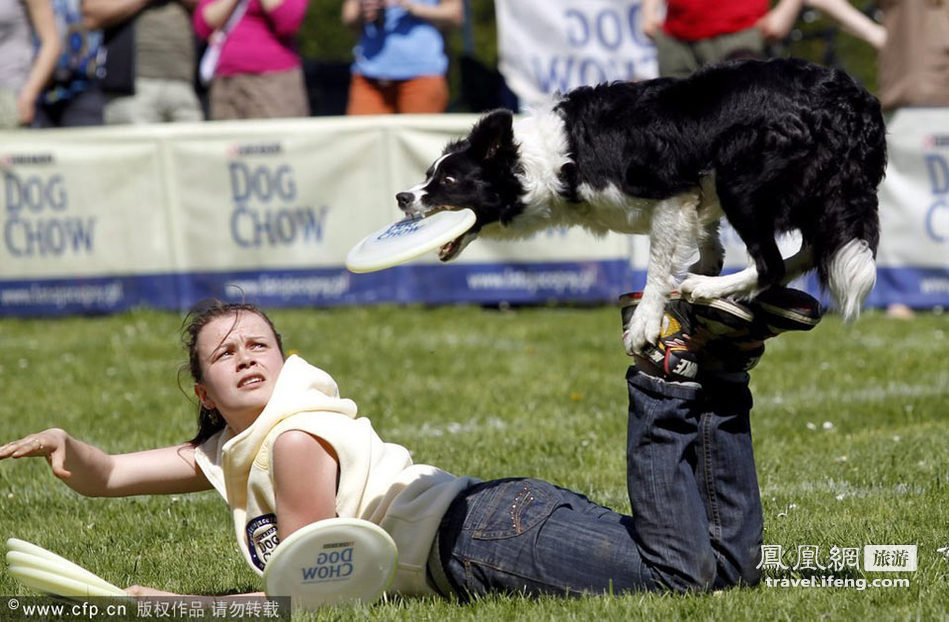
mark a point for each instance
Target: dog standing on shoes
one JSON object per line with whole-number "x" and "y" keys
{"x": 773, "y": 146}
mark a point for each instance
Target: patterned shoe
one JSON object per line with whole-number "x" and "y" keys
{"x": 686, "y": 328}
{"x": 719, "y": 336}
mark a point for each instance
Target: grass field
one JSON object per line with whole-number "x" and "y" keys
{"x": 849, "y": 424}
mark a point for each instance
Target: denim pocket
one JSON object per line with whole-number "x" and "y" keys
{"x": 515, "y": 507}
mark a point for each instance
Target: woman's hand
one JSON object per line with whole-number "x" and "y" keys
{"x": 49, "y": 444}
{"x": 25, "y": 106}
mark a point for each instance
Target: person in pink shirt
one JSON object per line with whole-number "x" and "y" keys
{"x": 259, "y": 74}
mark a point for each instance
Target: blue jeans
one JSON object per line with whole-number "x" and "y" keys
{"x": 696, "y": 523}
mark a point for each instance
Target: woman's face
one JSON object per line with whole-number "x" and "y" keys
{"x": 240, "y": 361}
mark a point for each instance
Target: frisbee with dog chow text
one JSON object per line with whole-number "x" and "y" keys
{"x": 332, "y": 561}
{"x": 406, "y": 239}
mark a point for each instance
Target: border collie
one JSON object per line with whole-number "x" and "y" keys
{"x": 772, "y": 146}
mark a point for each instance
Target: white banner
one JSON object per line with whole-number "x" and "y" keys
{"x": 87, "y": 204}
{"x": 109, "y": 218}
{"x": 550, "y": 46}
{"x": 104, "y": 219}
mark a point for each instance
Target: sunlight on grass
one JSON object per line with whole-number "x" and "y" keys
{"x": 849, "y": 428}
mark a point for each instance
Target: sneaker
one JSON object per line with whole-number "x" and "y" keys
{"x": 780, "y": 309}
{"x": 686, "y": 329}
{"x": 720, "y": 336}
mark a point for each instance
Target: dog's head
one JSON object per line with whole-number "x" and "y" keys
{"x": 478, "y": 173}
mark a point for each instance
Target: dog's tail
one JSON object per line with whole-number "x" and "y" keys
{"x": 851, "y": 275}
{"x": 850, "y": 228}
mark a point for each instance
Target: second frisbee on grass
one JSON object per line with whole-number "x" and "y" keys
{"x": 332, "y": 561}
{"x": 47, "y": 572}
{"x": 407, "y": 239}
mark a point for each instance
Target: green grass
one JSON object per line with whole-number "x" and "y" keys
{"x": 537, "y": 392}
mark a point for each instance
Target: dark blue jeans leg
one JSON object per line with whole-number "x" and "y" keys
{"x": 728, "y": 482}
{"x": 529, "y": 536}
{"x": 669, "y": 515}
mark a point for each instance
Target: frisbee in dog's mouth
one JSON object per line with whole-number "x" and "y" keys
{"x": 411, "y": 237}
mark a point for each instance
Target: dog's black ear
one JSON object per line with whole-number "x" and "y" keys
{"x": 491, "y": 134}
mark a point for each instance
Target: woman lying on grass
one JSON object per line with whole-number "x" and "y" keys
{"x": 277, "y": 441}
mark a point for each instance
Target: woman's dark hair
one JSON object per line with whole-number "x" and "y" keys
{"x": 210, "y": 420}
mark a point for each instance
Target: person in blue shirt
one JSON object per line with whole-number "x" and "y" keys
{"x": 400, "y": 61}
{"x": 73, "y": 97}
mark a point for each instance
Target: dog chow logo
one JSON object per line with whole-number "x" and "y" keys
{"x": 267, "y": 210}
{"x": 399, "y": 229}
{"x": 333, "y": 563}
{"x": 36, "y": 218}
{"x": 262, "y": 538}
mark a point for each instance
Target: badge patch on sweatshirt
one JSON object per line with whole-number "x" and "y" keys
{"x": 262, "y": 538}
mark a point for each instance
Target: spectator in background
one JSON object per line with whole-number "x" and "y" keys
{"x": 73, "y": 97}
{"x": 914, "y": 62}
{"x": 400, "y": 60}
{"x": 149, "y": 68}
{"x": 23, "y": 74}
{"x": 695, "y": 33}
{"x": 259, "y": 74}
{"x": 852, "y": 20}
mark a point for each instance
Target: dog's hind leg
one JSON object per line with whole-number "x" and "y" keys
{"x": 745, "y": 283}
{"x": 672, "y": 230}
{"x": 711, "y": 251}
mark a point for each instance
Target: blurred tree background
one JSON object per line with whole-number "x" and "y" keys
{"x": 325, "y": 43}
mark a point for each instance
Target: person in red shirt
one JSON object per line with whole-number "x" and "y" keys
{"x": 695, "y": 33}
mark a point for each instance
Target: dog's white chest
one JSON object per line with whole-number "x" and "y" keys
{"x": 610, "y": 209}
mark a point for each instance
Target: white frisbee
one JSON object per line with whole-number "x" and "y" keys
{"x": 23, "y": 553}
{"x": 407, "y": 239}
{"x": 332, "y": 561}
{"x": 59, "y": 584}
{"x": 46, "y": 571}
{"x": 70, "y": 571}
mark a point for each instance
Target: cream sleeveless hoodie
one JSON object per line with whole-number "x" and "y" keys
{"x": 377, "y": 480}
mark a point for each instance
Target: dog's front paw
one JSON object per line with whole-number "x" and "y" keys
{"x": 644, "y": 325}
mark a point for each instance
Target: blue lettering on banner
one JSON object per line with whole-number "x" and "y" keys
{"x": 937, "y": 221}
{"x": 938, "y": 170}
{"x": 36, "y": 224}
{"x": 283, "y": 226}
{"x": 261, "y": 216}
{"x": 262, "y": 183}
{"x": 329, "y": 566}
{"x": 609, "y": 26}
{"x": 606, "y": 29}
{"x": 937, "y": 216}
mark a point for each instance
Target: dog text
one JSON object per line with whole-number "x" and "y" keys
{"x": 36, "y": 223}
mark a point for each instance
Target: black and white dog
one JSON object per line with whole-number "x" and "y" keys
{"x": 773, "y": 146}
